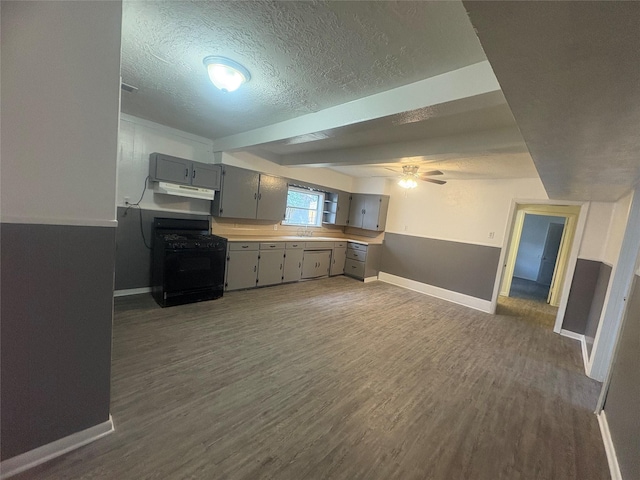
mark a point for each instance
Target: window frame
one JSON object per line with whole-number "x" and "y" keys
{"x": 319, "y": 210}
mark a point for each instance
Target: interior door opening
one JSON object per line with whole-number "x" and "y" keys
{"x": 537, "y": 257}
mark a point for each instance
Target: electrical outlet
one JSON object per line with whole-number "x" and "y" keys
{"x": 126, "y": 200}
{"x": 406, "y": 227}
{"x": 492, "y": 234}
{"x": 275, "y": 226}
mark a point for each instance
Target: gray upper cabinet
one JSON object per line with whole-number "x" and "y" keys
{"x": 272, "y": 198}
{"x": 205, "y": 175}
{"x": 165, "y": 168}
{"x": 368, "y": 212}
{"x": 356, "y": 210}
{"x": 336, "y": 208}
{"x": 238, "y": 196}
{"x": 248, "y": 194}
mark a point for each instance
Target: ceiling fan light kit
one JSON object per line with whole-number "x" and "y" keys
{"x": 226, "y": 74}
{"x": 410, "y": 176}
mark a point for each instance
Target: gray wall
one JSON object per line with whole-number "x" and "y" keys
{"x": 56, "y": 305}
{"x": 597, "y": 304}
{"x": 133, "y": 258}
{"x": 623, "y": 399}
{"x": 586, "y": 297}
{"x": 459, "y": 267}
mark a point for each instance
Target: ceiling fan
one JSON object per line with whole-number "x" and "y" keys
{"x": 410, "y": 176}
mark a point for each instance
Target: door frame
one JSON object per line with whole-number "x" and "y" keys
{"x": 573, "y": 246}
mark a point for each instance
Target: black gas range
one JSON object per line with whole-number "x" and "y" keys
{"x": 188, "y": 262}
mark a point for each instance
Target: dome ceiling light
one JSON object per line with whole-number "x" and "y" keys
{"x": 226, "y": 74}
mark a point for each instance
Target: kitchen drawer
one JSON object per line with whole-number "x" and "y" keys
{"x": 318, "y": 245}
{"x": 356, "y": 255}
{"x": 294, "y": 245}
{"x": 339, "y": 244}
{"x": 272, "y": 245}
{"x": 354, "y": 268}
{"x": 243, "y": 246}
{"x": 358, "y": 246}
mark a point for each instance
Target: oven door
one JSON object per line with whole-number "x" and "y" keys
{"x": 191, "y": 269}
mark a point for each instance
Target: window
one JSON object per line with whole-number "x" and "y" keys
{"x": 304, "y": 207}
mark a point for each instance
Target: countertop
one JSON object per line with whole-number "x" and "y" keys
{"x": 293, "y": 238}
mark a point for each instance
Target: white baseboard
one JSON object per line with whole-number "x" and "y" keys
{"x": 448, "y": 295}
{"x": 131, "y": 291}
{"x": 370, "y": 279}
{"x": 609, "y": 448}
{"x": 30, "y": 459}
{"x": 583, "y": 343}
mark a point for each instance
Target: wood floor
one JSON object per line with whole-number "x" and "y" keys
{"x": 337, "y": 379}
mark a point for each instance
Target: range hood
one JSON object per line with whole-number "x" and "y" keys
{"x": 183, "y": 190}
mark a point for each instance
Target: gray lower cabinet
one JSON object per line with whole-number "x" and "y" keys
{"x": 293, "y": 262}
{"x": 242, "y": 265}
{"x": 338, "y": 258}
{"x": 316, "y": 263}
{"x": 252, "y": 195}
{"x": 362, "y": 261}
{"x": 270, "y": 266}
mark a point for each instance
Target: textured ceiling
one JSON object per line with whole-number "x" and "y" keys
{"x": 433, "y": 122}
{"x": 570, "y": 72}
{"x": 303, "y": 56}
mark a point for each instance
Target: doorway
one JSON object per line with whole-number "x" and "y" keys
{"x": 536, "y": 257}
{"x": 541, "y": 268}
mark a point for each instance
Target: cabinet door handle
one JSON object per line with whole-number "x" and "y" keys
{"x": 255, "y": 267}
{"x": 186, "y": 172}
{"x": 194, "y": 173}
{"x": 255, "y": 196}
{"x": 259, "y": 196}
{"x": 280, "y": 266}
{"x": 299, "y": 264}
{"x": 245, "y": 246}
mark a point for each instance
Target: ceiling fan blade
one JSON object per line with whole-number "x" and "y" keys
{"x": 431, "y": 173}
{"x": 392, "y": 169}
{"x": 437, "y": 182}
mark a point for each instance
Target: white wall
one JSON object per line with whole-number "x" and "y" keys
{"x": 66, "y": 174}
{"x": 139, "y": 138}
{"x": 596, "y": 230}
{"x": 532, "y": 240}
{"x": 617, "y": 229}
{"x": 462, "y": 210}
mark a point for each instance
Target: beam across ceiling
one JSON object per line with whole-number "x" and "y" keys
{"x": 476, "y": 79}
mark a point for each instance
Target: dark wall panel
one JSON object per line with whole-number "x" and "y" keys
{"x": 583, "y": 286}
{"x": 133, "y": 258}
{"x": 623, "y": 399}
{"x": 56, "y": 315}
{"x": 459, "y": 267}
{"x": 597, "y": 303}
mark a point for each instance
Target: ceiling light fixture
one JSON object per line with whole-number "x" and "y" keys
{"x": 408, "y": 180}
{"x": 226, "y": 74}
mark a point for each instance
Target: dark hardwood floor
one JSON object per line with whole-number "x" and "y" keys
{"x": 337, "y": 379}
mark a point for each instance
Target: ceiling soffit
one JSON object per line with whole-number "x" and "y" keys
{"x": 570, "y": 72}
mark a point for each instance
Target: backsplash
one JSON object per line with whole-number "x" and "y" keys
{"x": 239, "y": 227}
